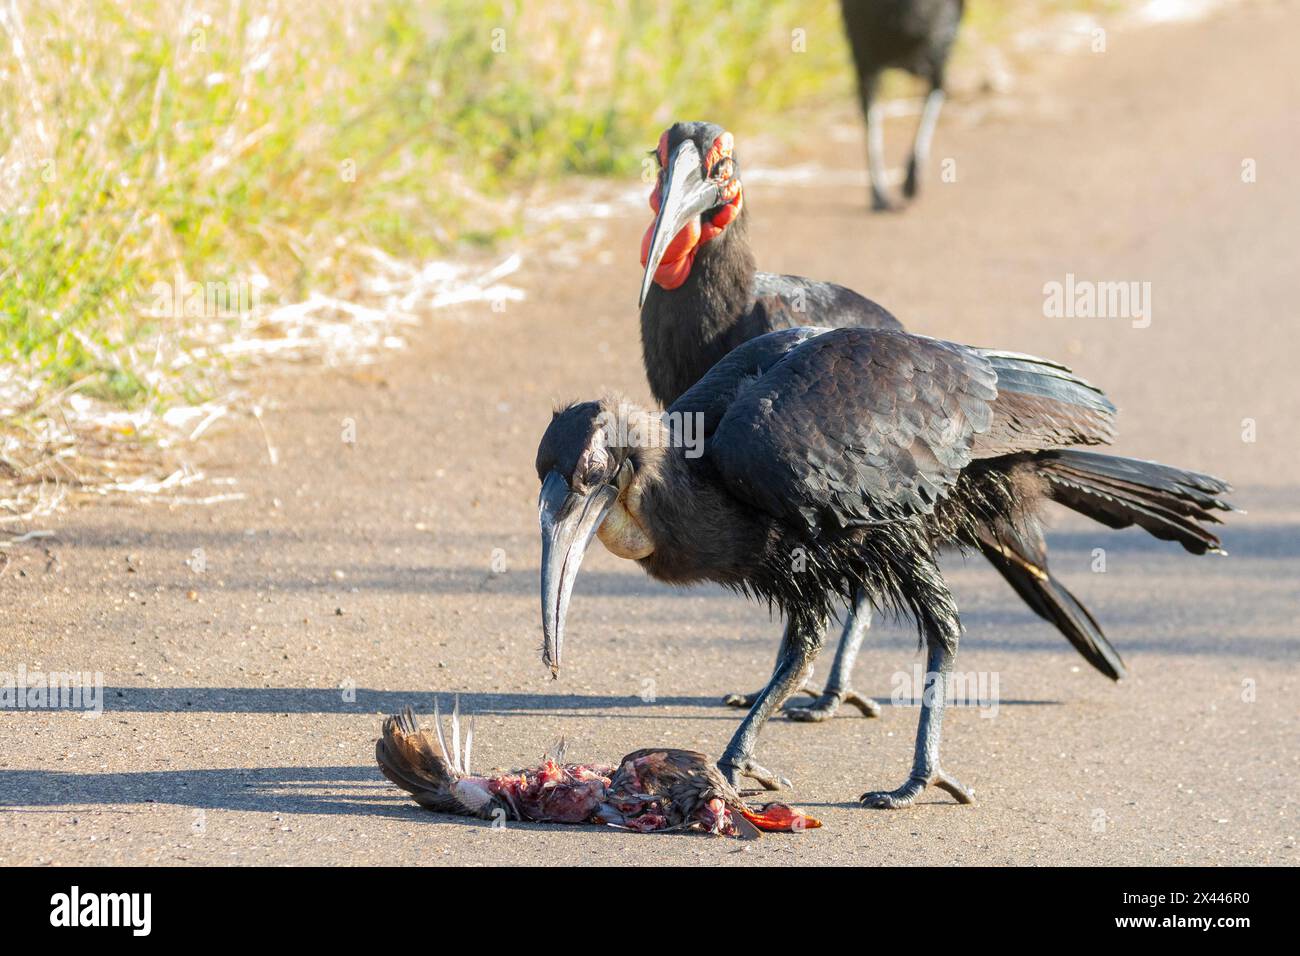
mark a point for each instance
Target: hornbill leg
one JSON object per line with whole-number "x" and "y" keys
{"x": 921, "y": 146}
{"x": 875, "y": 142}
{"x": 925, "y": 764}
{"x": 746, "y": 701}
{"x": 799, "y": 646}
{"x": 838, "y": 691}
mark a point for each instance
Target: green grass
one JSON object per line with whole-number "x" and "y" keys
{"x": 275, "y": 140}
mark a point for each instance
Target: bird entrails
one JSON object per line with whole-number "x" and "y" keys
{"x": 650, "y": 790}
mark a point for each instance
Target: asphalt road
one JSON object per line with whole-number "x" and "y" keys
{"x": 225, "y": 737}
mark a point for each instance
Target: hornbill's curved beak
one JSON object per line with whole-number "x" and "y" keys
{"x": 569, "y": 522}
{"x": 685, "y": 193}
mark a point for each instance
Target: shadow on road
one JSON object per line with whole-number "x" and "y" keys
{"x": 329, "y": 700}
{"x": 314, "y": 700}
{"x": 265, "y": 789}
{"x": 279, "y": 790}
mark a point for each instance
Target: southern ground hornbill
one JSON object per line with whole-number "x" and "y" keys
{"x": 836, "y": 462}
{"x": 650, "y": 790}
{"x": 912, "y": 35}
{"x": 702, "y": 296}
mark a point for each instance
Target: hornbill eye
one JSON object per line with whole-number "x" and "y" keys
{"x": 723, "y": 169}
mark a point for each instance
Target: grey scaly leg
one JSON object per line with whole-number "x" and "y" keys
{"x": 921, "y": 146}
{"x": 838, "y": 691}
{"x": 926, "y": 770}
{"x": 799, "y": 646}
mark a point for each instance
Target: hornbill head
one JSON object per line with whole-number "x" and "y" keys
{"x": 588, "y": 463}
{"x": 696, "y": 196}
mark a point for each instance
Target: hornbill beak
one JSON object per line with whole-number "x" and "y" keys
{"x": 569, "y": 522}
{"x": 685, "y": 194}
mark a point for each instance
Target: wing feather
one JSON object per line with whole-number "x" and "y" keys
{"x": 843, "y": 427}
{"x": 855, "y": 426}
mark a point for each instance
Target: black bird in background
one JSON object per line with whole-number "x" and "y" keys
{"x": 837, "y": 463}
{"x": 912, "y": 35}
{"x": 702, "y": 297}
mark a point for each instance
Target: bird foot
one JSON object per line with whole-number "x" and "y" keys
{"x": 827, "y": 702}
{"x": 911, "y": 184}
{"x": 881, "y": 203}
{"x": 906, "y": 795}
{"x": 733, "y": 770}
{"x": 746, "y": 701}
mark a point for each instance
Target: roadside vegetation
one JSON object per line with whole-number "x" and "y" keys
{"x": 261, "y": 143}
{"x": 169, "y": 171}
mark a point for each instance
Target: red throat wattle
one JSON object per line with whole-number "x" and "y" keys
{"x": 675, "y": 266}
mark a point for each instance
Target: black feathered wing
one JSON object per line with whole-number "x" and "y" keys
{"x": 786, "y": 302}
{"x": 719, "y": 387}
{"x": 1042, "y": 405}
{"x": 856, "y": 426}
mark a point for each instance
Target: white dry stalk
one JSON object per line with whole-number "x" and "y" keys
{"x": 69, "y": 445}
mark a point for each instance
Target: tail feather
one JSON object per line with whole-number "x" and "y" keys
{"x": 1187, "y": 491}
{"x": 1170, "y": 503}
{"x": 407, "y": 757}
{"x": 1025, "y": 568}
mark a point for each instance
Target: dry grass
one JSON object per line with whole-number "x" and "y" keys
{"x": 180, "y": 181}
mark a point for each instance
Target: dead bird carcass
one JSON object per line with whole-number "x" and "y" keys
{"x": 650, "y": 790}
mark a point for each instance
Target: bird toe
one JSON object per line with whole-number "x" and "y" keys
{"x": 733, "y": 771}
{"x": 906, "y": 795}
{"x": 740, "y": 700}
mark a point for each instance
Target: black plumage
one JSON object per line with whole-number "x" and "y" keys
{"x": 912, "y": 35}
{"x": 836, "y": 464}
{"x": 725, "y": 302}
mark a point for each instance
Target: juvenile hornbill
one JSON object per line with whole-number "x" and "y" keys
{"x": 912, "y": 35}
{"x": 837, "y": 462}
{"x": 702, "y": 296}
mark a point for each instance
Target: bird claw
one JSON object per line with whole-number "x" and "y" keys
{"x": 906, "y": 795}
{"x": 748, "y": 767}
{"x": 826, "y": 703}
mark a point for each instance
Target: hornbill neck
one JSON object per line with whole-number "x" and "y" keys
{"x": 685, "y": 331}
{"x": 700, "y": 532}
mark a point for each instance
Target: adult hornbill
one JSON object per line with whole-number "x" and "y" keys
{"x": 912, "y": 35}
{"x": 837, "y": 462}
{"x": 702, "y": 296}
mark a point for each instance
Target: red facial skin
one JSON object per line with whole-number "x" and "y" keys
{"x": 675, "y": 266}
